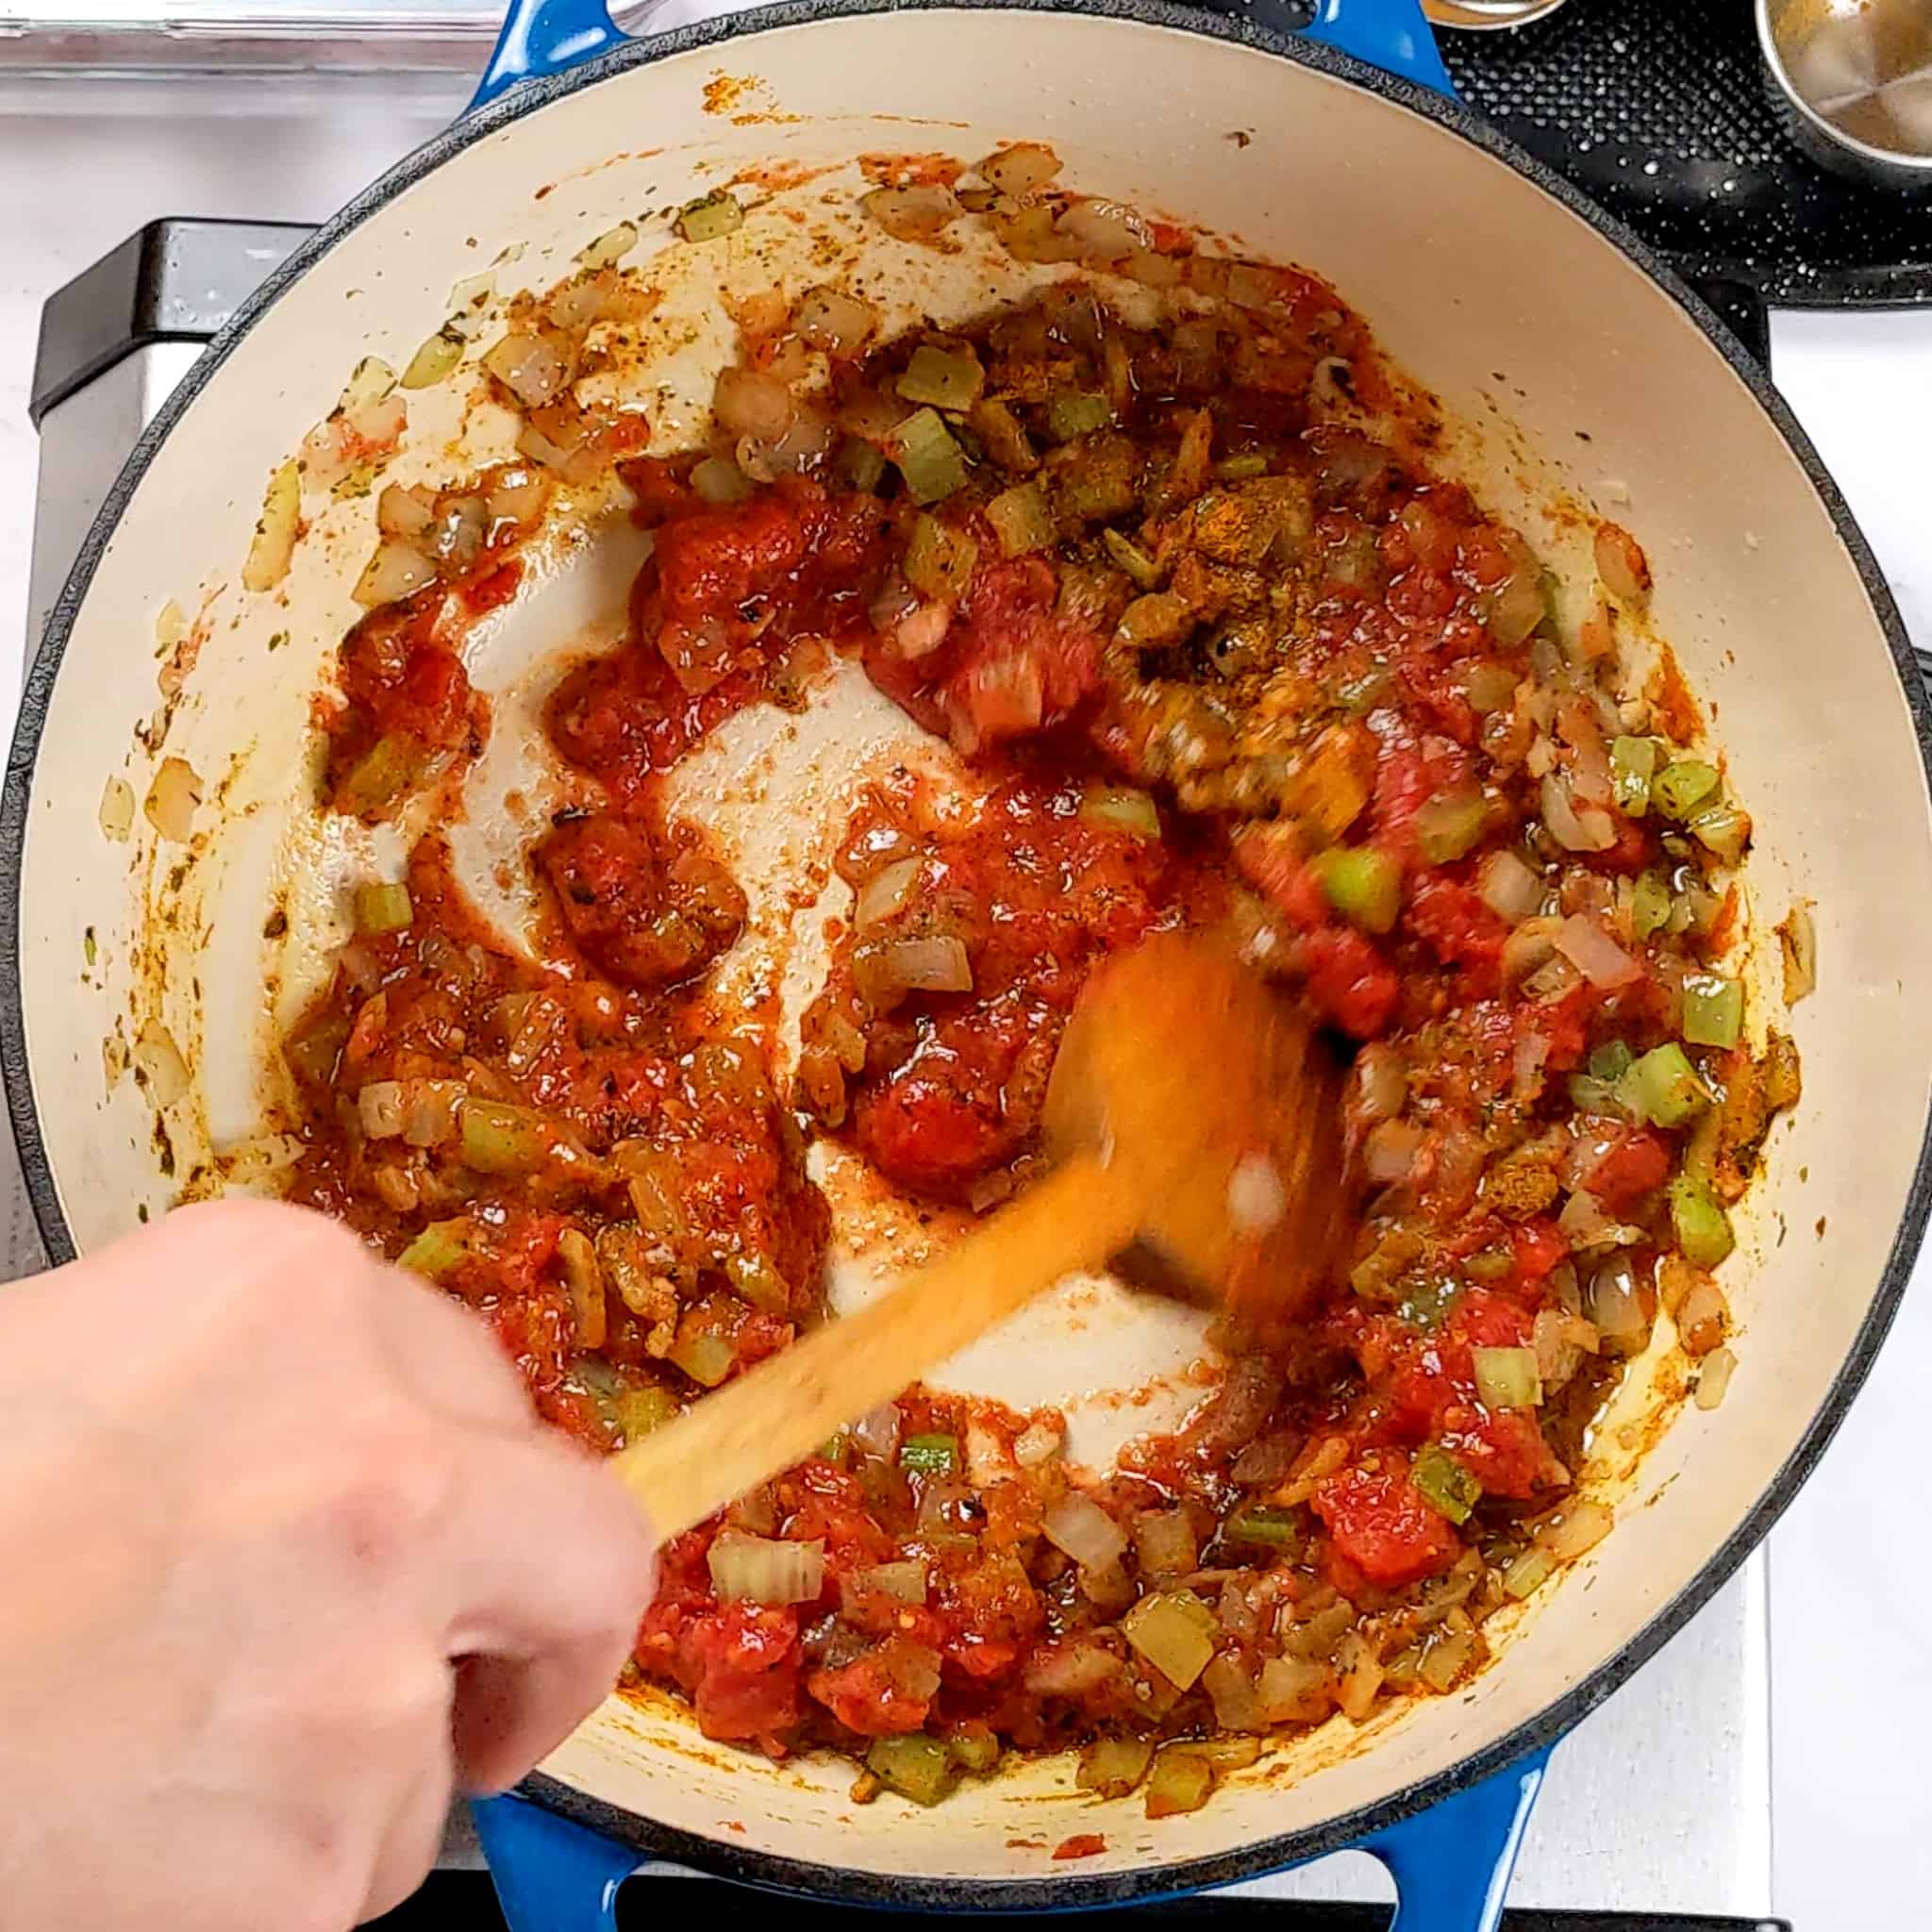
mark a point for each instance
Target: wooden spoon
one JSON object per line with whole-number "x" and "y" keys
{"x": 1192, "y": 1116}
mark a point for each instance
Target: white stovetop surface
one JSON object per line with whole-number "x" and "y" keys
{"x": 1846, "y": 1844}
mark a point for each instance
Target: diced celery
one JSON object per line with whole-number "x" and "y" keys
{"x": 1263, "y": 1526}
{"x": 384, "y": 773}
{"x": 1702, "y": 1228}
{"x": 914, "y": 1765}
{"x": 642, "y": 1410}
{"x": 1020, "y": 520}
{"x": 1662, "y": 1087}
{"x": 711, "y": 216}
{"x": 1111, "y": 1767}
{"x": 930, "y": 1455}
{"x": 928, "y": 457}
{"x": 1449, "y": 827}
{"x": 1362, "y": 884}
{"x": 1679, "y": 789}
{"x": 1239, "y": 468}
{"x": 438, "y": 1250}
{"x": 1121, "y": 809}
{"x": 501, "y": 1138}
{"x": 940, "y": 560}
{"x": 975, "y": 1748}
{"x": 718, "y": 481}
{"x": 1072, "y": 412}
{"x": 383, "y": 908}
{"x": 1612, "y": 1060}
{"x": 857, "y": 464}
{"x": 704, "y": 1355}
{"x": 1131, "y": 558}
{"x": 1650, "y": 906}
{"x": 946, "y": 378}
{"x": 1633, "y": 762}
{"x": 1723, "y": 829}
{"x": 754, "y": 1279}
{"x": 1587, "y": 1095}
{"x": 1491, "y": 686}
{"x": 1446, "y": 1487}
{"x": 1182, "y": 1781}
{"x": 1527, "y": 1574}
{"x": 1713, "y": 1009}
{"x": 1507, "y": 1377}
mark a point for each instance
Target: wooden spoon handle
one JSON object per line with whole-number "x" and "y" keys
{"x": 1077, "y": 1217}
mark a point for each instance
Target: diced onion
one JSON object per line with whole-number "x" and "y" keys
{"x": 405, "y": 512}
{"x": 1577, "y": 828}
{"x": 159, "y": 1059}
{"x": 1071, "y": 1670}
{"x": 887, "y": 893}
{"x": 1102, "y": 232}
{"x": 762, "y": 1569}
{"x": 929, "y": 965}
{"x": 1293, "y": 1690}
{"x": 1381, "y": 1083}
{"x": 1594, "y": 952}
{"x": 117, "y": 810}
{"x": 429, "y": 1112}
{"x": 1584, "y": 1225}
{"x": 1236, "y": 1707}
{"x": 1079, "y": 1526}
{"x": 1020, "y": 170}
{"x": 274, "y": 544}
{"x": 1613, "y": 1307}
{"x": 904, "y": 1579}
{"x": 369, "y": 382}
{"x": 1174, "y": 1632}
{"x": 528, "y": 367}
{"x": 877, "y": 1431}
{"x": 1622, "y": 565}
{"x": 381, "y": 1108}
{"x": 829, "y": 319}
{"x": 1798, "y": 941}
{"x": 1508, "y": 888}
{"x": 1391, "y": 1151}
{"x": 1561, "y": 1341}
{"x": 171, "y": 799}
{"x": 1256, "y": 1198}
{"x": 749, "y": 402}
{"x": 1581, "y": 1527}
{"x": 1037, "y": 1443}
{"x": 516, "y": 497}
{"x": 1532, "y": 1052}
{"x": 393, "y": 572}
{"x": 919, "y": 213}
{"x": 1715, "y": 1377}
{"x": 921, "y": 631}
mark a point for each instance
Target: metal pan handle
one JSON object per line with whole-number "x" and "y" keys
{"x": 1452, "y": 1862}
{"x": 544, "y": 37}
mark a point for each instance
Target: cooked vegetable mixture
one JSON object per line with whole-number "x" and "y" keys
{"x": 1218, "y": 658}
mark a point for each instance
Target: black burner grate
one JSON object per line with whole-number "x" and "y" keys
{"x": 1659, "y": 109}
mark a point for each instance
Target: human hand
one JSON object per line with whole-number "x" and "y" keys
{"x": 258, "y": 1491}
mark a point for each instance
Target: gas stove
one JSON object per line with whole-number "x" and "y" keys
{"x": 1710, "y": 1790}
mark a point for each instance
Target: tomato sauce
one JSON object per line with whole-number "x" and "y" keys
{"x": 1211, "y": 658}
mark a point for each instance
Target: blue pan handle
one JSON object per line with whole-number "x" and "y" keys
{"x": 1451, "y": 1863}
{"x": 541, "y": 37}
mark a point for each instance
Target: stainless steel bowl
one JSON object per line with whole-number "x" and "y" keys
{"x": 1786, "y": 29}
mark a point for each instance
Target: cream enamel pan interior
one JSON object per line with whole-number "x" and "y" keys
{"x": 1494, "y": 291}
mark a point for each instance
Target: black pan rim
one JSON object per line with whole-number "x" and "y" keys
{"x": 1069, "y": 1890}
